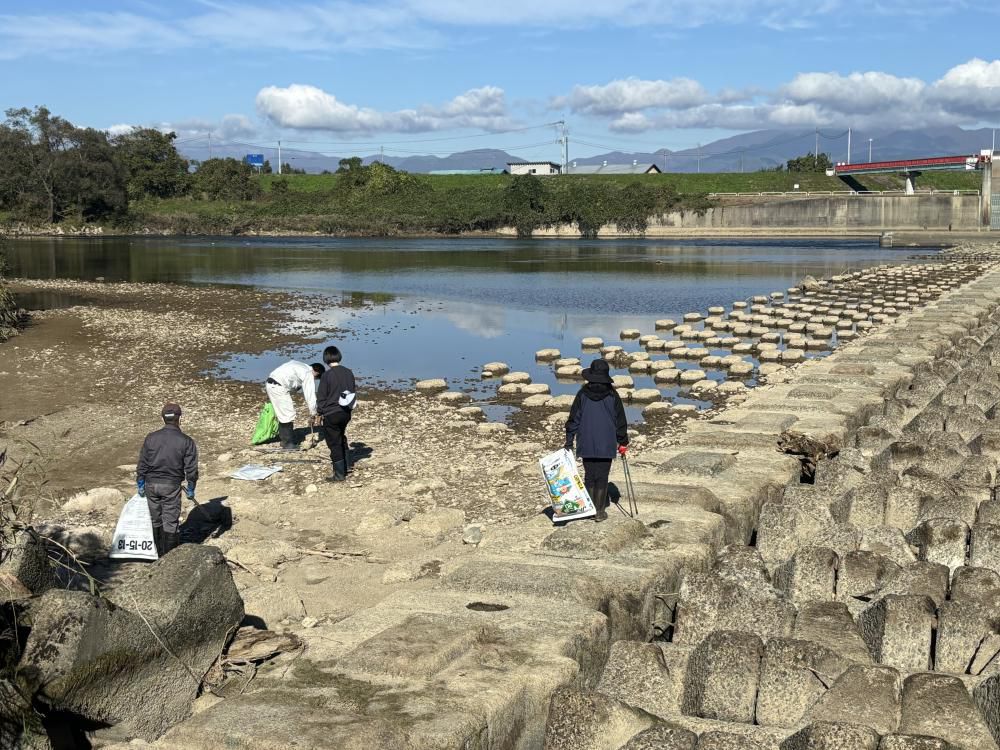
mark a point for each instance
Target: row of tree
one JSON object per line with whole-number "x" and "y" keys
{"x": 52, "y": 170}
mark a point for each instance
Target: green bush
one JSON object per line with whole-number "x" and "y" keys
{"x": 9, "y": 317}
{"x": 228, "y": 179}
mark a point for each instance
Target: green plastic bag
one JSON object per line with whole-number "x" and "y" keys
{"x": 267, "y": 426}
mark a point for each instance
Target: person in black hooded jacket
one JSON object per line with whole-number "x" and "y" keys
{"x": 597, "y": 422}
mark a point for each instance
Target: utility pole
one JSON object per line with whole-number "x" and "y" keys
{"x": 816, "y": 150}
{"x": 699, "y": 158}
{"x": 381, "y": 154}
{"x": 279, "y": 157}
{"x": 870, "y": 150}
{"x": 741, "y": 162}
{"x": 848, "y": 145}
{"x": 564, "y": 142}
{"x": 209, "y": 144}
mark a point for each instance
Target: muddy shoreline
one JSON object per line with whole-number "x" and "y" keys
{"x": 902, "y": 238}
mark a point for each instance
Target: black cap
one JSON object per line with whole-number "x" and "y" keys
{"x": 170, "y": 411}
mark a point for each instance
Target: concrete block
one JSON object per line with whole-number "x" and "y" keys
{"x": 829, "y": 624}
{"x": 742, "y": 566}
{"x": 963, "y": 634}
{"x": 984, "y": 547}
{"x": 708, "y": 603}
{"x": 898, "y": 630}
{"x": 719, "y": 740}
{"x": 940, "y": 706}
{"x": 862, "y": 573}
{"x": 781, "y": 530}
{"x": 966, "y": 420}
{"x": 987, "y": 698}
{"x": 794, "y": 675}
{"x": 974, "y": 584}
{"x": 590, "y": 721}
{"x": 811, "y": 575}
{"x": 864, "y": 695}
{"x": 722, "y": 676}
{"x": 941, "y": 540}
{"x": 918, "y": 578}
{"x": 977, "y": 472}
{"x": 889, "y": 542}
{"x": 867, "y": 504}
{"x": 914, "y": 742}
{"x": 636, "y": 673}
{"x": 663, "y": 737}
{"x": 832, "y": 736}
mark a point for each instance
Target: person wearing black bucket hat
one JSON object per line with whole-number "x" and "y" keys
{"x": 598, "y": 424}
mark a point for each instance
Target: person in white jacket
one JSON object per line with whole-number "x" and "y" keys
{"x": 291, "y": 377}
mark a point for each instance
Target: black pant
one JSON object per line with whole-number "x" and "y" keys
{"x": 164, "y": 501}
{"x": 334, "y": 427}
{"x": 595, "y": 473}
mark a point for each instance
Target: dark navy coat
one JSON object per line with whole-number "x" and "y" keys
{"x": 597, "y": 422}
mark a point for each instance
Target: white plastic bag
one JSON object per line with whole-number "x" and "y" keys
{"x": 133, "y": 537}
{"x": 567, "y": 495}
{"x": 255, "y": 472}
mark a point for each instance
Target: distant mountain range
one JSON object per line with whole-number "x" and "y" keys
{"x": 761, "y": 149}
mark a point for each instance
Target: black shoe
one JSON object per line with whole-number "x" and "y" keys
{"x": 158, "y": 541}
{"x": 170, "y": 541}
{"x": 601, "y": 504}
{"x": 286, "y": 435}
{"x": 339, "y": 472}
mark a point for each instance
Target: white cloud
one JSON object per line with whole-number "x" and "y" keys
{"x": 120, "y": 129}
{"x": 305, "y": 107}
{"x": 322, "y": 26}
{"x": 967, "y": 94}
{"x": 632, "y": 95}
{"x": 237, "y": 126}
{"x": 972, "y": 88}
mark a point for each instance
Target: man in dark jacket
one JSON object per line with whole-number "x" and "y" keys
{"x": 335, "y": 401}
{"x": 167, "y": 458}
{"x": 597, "y": 422}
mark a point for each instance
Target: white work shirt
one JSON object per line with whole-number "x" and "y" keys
{"x": 297, "y": 376}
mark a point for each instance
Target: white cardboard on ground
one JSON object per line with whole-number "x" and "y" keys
{"x": 255, "y": 472}
{"x": 567, "y": 495}
{"x": 133, "y": 537}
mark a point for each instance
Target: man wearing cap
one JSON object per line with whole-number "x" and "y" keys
{"x": 168, "y": 458}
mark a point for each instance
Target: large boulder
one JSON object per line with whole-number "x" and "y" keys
{"x": 136, "y": 658}
{"x": 20, "y": 726}
{"x": 24, "y": 565}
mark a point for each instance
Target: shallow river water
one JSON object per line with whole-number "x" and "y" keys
{"x": 410, "y": 309}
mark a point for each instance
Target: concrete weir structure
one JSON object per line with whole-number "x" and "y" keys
{"x": 744, "y": 608}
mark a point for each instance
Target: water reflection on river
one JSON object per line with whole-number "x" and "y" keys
{"x": 404, "y": 309}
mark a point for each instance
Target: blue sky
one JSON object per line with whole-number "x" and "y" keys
{"x": 637, "y": 74}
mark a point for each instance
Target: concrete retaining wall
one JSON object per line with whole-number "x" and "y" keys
{"x": 940, "y": 211}
{"x": 833, "y": 214}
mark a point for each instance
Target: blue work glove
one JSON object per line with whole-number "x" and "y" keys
{"x": 189, "y": 490}
{"x": 140, "y": 486}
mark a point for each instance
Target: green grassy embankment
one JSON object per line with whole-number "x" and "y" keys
{"x": 399, "y": 203}
{"x": 683, "y": 183}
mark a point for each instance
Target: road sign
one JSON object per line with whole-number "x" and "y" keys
{"x": 254, "y": 160}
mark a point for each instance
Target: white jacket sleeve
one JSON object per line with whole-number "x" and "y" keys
{"x": 309, "y": 392}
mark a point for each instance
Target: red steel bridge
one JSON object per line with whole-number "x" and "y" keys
{"x": 910, "y": 168}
